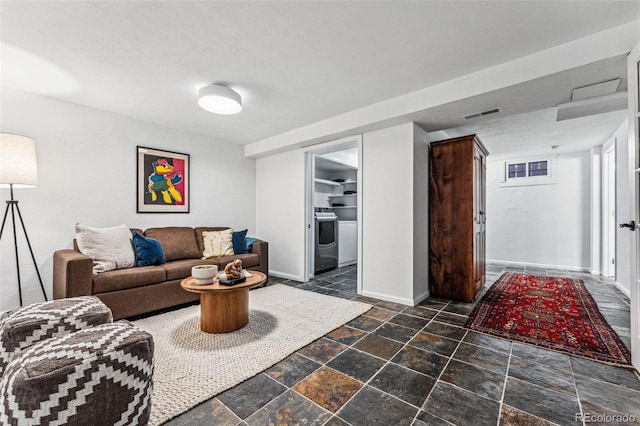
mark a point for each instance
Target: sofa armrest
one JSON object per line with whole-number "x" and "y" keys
{"x": 261, "y": 248}
{"x": 72, "y": 274}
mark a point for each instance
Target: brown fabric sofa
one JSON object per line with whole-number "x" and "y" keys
{"x": 142, "y": 289}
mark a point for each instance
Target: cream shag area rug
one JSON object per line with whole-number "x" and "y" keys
{"x": 192, "y": 366}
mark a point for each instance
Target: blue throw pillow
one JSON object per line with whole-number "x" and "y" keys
{"x": 148, "y": 250}
{"x": 250, "y": 241}
{"x": 239, "y": 241}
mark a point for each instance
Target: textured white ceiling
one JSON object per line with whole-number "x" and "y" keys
{"x": 536, "y": 132}
{"x": 294, "y": 63}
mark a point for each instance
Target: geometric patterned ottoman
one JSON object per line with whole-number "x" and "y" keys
{"x": 25, "y": 326}
{"x": 96, "y": 376}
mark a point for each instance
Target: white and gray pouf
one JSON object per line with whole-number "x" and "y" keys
{"x": 30, "y": 324}
{"x": 96, "y": 376}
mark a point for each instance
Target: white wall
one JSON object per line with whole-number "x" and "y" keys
{"x": 280, "y": 211}
{"x": 542, "y": 224}
{"x": 420, "y": 215}
{"x": 387, "y": 263}
{"x": 87, "y": 173}
{"x": 624, "y": 238}
{"x": 595, "y": 234}
{"x": 393, "y": 239}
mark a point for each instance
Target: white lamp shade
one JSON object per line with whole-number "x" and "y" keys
{"x": 219, "y": 100}
{"x": 18, "y": 165}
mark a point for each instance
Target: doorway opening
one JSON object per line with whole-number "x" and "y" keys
{"x": 333, "y": 192}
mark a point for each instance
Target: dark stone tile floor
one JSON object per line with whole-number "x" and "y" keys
{"x": 403, "y": 365}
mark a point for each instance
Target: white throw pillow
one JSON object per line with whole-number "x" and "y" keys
{"x": 110, "y": 248}
{"x": 217, "y": 243}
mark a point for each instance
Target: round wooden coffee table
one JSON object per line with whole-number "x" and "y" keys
{"x": 224, "y": 308}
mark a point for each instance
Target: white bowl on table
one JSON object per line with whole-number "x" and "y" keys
{"x": 204, "y": 274}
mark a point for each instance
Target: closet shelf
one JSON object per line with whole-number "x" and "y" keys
{"x": 327, "y": 182}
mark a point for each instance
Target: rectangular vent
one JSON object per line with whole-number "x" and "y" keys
{"x": 482, "y": 114}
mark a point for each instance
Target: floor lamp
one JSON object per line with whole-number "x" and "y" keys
{"x": 18, "y": 169}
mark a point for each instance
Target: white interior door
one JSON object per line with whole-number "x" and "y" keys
{"x": 633, "y": 68}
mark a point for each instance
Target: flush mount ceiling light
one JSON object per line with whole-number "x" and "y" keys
{"x": 219, "y": 100}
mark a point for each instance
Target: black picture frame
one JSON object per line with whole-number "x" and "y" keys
{"x": 162, "y": 181}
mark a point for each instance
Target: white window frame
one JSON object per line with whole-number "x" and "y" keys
{"x": 550, "y": 178}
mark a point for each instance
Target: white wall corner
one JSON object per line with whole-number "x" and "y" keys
{"x": 387, "y": 203}
{"x": 622, "y": 288}
{"x": 388, "y": 297}
{"x": 420, "y": 212}
{"x": 417, "y": 298}
{"x": 596, "y": 210}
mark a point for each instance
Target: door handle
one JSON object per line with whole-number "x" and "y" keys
{"x": 631, "y": 225}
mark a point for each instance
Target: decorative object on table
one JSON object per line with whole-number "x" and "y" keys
{"x": 282, "y": 320}
{"x": 233, "y": 269}
{"x": 232, "y": 273}
{"x": 163, "y": 181}
{"x": 550, "y": 312}
{"x": 204, "y": 274}
{"x": 19, "y": 170}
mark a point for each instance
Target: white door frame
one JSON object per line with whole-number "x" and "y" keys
{"x": 608, "y": 210}
{"x": 633, "y": 71}
{"x": 310, "y": 153}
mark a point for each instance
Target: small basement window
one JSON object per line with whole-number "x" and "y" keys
{"x": 532, "y": 171}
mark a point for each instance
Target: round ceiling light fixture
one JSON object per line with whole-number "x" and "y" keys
{"x": 219, "y": 100}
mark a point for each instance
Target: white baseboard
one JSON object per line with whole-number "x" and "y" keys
{"x": 419, "y": 298}
{"x": 595, "y": 272}
{"x": 622, "y": 289}
{"x": 388, "y": 298}
{"x": 539, "y": 265}
{"x": 286, "y": 276}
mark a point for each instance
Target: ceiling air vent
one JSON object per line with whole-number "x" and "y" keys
{"x": 482, "y": 114}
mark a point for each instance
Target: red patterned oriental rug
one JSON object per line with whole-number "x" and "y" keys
{"x": 550, "y": 312}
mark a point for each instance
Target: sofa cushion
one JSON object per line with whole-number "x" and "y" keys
{"x": 240, "y": 242}
{"x": 148, "y": 250}
{"x": 200, "y": 229}
{"x": 248, "y": 260}
{"x": 217, "y": 243}
{"x": 178, "y": 242}
{"x": 128, "y": 278}
{"x": 181, "y": 269}
{"x": 110, "y": 248}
